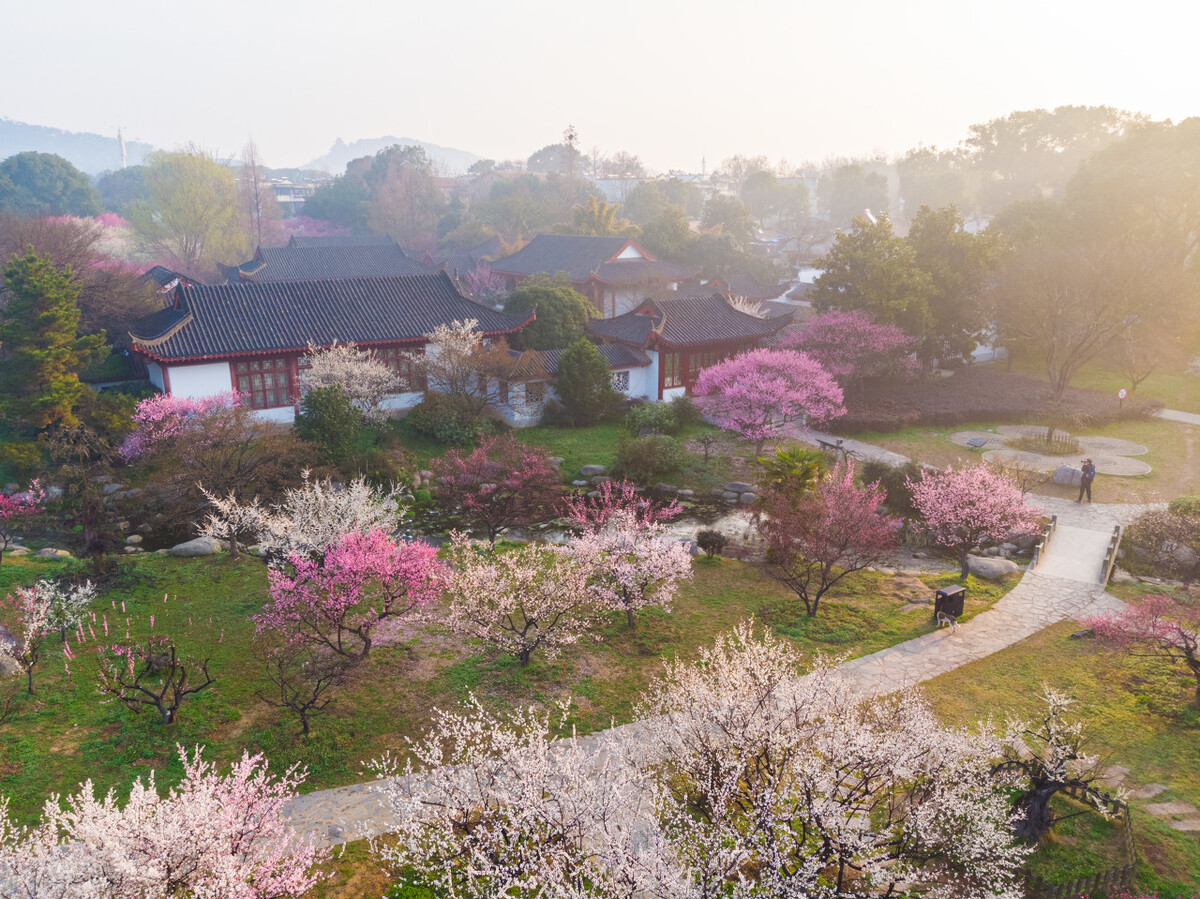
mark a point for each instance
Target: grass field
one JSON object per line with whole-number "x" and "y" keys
{"x": 1173, "y": 386}
{"x": 1136, "y": 715}
{"x": 64, "y": 734}
{"x": 1173, "y": 457}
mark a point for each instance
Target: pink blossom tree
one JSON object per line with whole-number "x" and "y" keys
{"x": 159, "y": 421}
{"x": 1160, "y": 626}
{"x": 817, "y": 539}
{"x": 758, "y": 394}
{"x": 851, "y": 346}
{"x": 26, "y": 618}
{"x": 968, "y": 506}
{"x": 154, "y": 673}
{"x": 530, "y": 598}
{"x": 17, "y": 511}
{"x": 211, "y": 836}
{"x": 612, "y": 499}
{"x": 501, "y": 484}
{"x": 338, "y": 601}
{"x": 630, "y": 563}
{"x": 483, "y": 285}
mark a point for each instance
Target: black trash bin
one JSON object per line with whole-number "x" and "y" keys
{"x": 949, "y": 600}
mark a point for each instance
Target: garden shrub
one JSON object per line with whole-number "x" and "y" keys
{"x": 686, "y": 411}
{"x": 584, "y": 385}
{"x": 1161, "y": 543}
{"x": 448, "y": 419}
{"x": 329, "y": 419}
{"x": 659, "y": 418}
{"x": 711, "y": 542}
{"x": 1188, "y": 506}
{"x": 646, "y": 459}
{"x": 893, "y": 479}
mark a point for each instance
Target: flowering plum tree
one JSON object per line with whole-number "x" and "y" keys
{"x": 965, "y": 507}
{"x": 500, "y": 808}
{"x": 851, "y": 346}
{"x": 616, "y": 499}
{"x": 775, "y": 785}
{"x": 26, "y": 618}
{"x": 311, "y": 518}
{"x": 301, "y": 678}
{"x": 533, "y": 597}
{"x": 1050, "y": 755}
{"x": 1159, "y": 626}
{"x": 501, "y": 484}
{"x": 483, "y": 285}
{"x": 759, "y": 393}
{"x": 152, "y": 672}
{"x": 17, "y": 510}
{"x": 159, "y": 421}
{"x": 209, "y": 837}
{"x": 815, "y": 540}
{"x": 629, "y": 561}
{"x": 365, "y": 379}
{"x": 337, "y": 602}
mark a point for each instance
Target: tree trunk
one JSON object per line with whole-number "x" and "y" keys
{"x": 1038, "y": 817}
{"x": 233, "y": 547}
{"x": 29, "y": 679}
{"x": 523, "y": 656}
{"x": 629, "y": 619}
{"x": 303, "y": 723}
{"x": 963, "y": 563}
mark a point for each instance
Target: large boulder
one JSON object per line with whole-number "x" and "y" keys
{"x": 590, "y": 471}
{"x": 201, "y": 546}
{"x": 990, "y": 568}
{"x": 1068, "y": 474}
{"x": 51, "y": 553}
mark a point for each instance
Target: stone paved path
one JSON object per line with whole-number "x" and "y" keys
{"x": 1066, "y": 585}
{"x": 1188, "y": 418}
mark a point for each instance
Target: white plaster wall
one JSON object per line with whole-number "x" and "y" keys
{"x": 639, "y": 386}
{"x": 631, "y": 252}
{"x": 156, "y": 375}
{"x": 651, "y": 371}
{"x": 399, "y": 402}
{"x": 520, "y": 414}
{"x": 626, "y": 300}
{"x": 671, "y": 392}
{"x": 284, "y": 415}
{"x": 196, "y": 381}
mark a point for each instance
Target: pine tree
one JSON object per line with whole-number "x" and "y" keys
{"x": 41, "y": 352}
{"x": 584, "y": 384}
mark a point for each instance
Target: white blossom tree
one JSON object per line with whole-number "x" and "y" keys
{"x": 774, "y": 785}
{"x": 530, "y": 598}
{"x": 365, "y": 379}
{"x": 496, "y": 807}
{"x": 212, "y": 837}
{"x": 630, "y": 564}
{"x": 311, "y": 518}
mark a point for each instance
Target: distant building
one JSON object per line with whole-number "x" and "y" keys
{"x": 326, "y": 258}
{"x": 682, "y": 336}
{"x": 613, "y": 272}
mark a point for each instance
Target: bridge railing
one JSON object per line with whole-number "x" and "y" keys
{"x": 1039, "y": 548}
{"x": 1110, "y": 555}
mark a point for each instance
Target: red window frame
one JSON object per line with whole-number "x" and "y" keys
{"x": 264, "y": 383}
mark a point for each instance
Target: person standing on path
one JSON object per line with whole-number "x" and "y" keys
{"x": 1085, "y": 482}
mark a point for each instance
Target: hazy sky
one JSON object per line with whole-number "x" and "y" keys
{"x": 669, "y": 81}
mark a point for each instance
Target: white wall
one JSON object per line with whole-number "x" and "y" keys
{"x": 626, "y": 300}
{"x": 198, "y": 381}
{"x": 652, "y": 376}
{"x": 400, "y": 401}
{"x": 671, "y": 393}
{"x": 283, "y": 415}
{"x": 156, "y": 375}
{"x": 639, "y": 388}
{"x": 630, "y": 252}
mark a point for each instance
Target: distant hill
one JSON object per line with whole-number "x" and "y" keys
{"x": 452, "y": 161}
{"x": 90, "y": 153}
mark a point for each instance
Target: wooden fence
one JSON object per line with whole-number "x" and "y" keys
{"x": 1110, "y": 555}
{"x": 1120, "y": 876}
{"x": 1039, "y": 548}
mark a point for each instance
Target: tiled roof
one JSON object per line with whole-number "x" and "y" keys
{"x": 317, "y": 263}
{"x": 161, "y": 276}
{"x": 583, "y": 257}
{"x": 259, "y": 318}
{"x": 617, "y": 355}
{"x": 683, "y": 320}
{"x": 342, "y": 240}
{"x": 746, "y": 285}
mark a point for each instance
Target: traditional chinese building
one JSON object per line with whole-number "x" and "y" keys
{"x": 681, "y": 336}
{"x": 254, "y": 337}
{"x": 613, "y": 272}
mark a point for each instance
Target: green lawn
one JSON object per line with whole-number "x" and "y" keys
{"x": 64, "y": 734}
{"x": 1173, "y": 386}
{"x": 1137, "y": 716}
{"x": 1174, "y": 457}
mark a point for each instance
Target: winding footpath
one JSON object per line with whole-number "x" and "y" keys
{"x": 1067, "y": 584}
